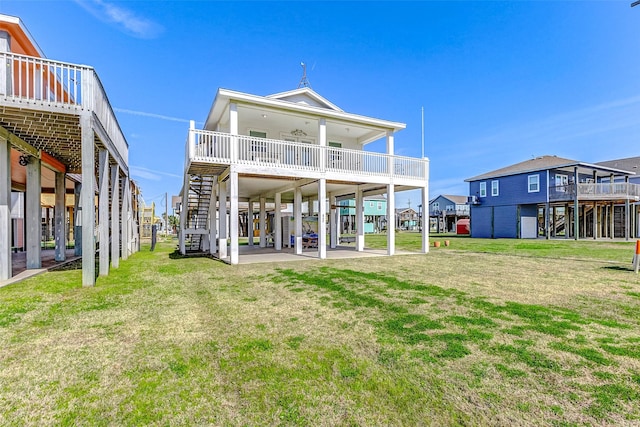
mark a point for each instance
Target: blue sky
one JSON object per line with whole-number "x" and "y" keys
{"x": 500, "y": 82}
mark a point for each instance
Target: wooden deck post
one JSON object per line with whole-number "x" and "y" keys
{"x": 297, "y": 214}
{"x": 59, "y": 213}
{"x": 5, "y": 210}
{"x": 33, "y": 213}
{"x": 263, "y": 222}
{"x": 233, "y": 216}
{"x": 359, "y": 220}
{"x": 277, "y": 229}
{"x": 213, "y": 213}
{"x": 88, "y": 215}
{"x": 322, "y": 218}
{"x": 115, "y": 217}
{"x": 103, "y": 210}
{"x": 576, "y": 207}
{"x": 222, "y": 230}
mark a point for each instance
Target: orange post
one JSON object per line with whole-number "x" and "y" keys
{"x": 636, "y": 258}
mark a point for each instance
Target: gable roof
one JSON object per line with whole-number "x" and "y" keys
{"x": 458, "y": 200}
{"x": 544, "y": 163}
{"x": 305, "y": 96}
{"x": 631, "y": 164}
{"x": 21, "y": 40}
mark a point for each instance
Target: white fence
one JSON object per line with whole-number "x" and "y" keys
{"x": 53, "y": 84}
{"x": 219, "y": 147}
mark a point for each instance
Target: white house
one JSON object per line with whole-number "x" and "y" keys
{"x": 290, "y": 147}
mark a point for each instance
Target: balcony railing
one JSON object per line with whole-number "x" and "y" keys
{"x": 596, "y": 191}
{"x": 218, "y": 147}
{"x": 53, "y": 84}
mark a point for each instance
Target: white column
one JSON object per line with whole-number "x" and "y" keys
{"x": 425, "y": 208}
{"x": 88, "y": 214}
{"x": 322, "y": 218}
{"x": 59, "y": 214}
{"x": 297, "y": 215}
{"x": 5, "y": 210}
{"x": 5, "y": 72}
{"x": 233, "y": 130}
{"x": 359, "y": 220}
{"x": 222, "y": 230}
{"x": 213, "y": 219}
{"x": 333, "y": 231}
{"x": 77, "y": 219}
{"x": 250, "y": 223}
{"x": 126, "y": 216}
{"x": 338, "y": 222}
{"x": 233, "y": 215}
{"x": 263, "y": 222}
{"x": 277, "y": 241}
{"x": 391, "y": 219}
{"x": 103, "y": 210}
{"x": 115, "y": 216}
{"x": 33, "y": 213}
{"x": 322, "y": 141}
{"x": 391, "y": 202}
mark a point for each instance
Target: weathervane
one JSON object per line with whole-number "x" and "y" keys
{"x": 303, "y": 81}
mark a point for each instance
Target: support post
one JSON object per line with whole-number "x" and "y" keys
{"x": 59, "y": 215}
{"x": 576, "y": 209}
{"x": 222, "y": 230}
{"x": 277, "y": 240}
{"x": 250, "y": 231}
{"x": 77, "y": 220}
{"x": 391, "y": 219}
{"x": 33, "y": 213}
{"x": 213, "y": 218}
{"x": 88, "y": 214}
{"x": 263, "y": 222}
{"x": 115, "y": 216}
{"x": 627, "y": 222}
{"x": 233, "y": 216}
{"x": 297, "y": 213}
{"x": 5, "y": 210}
{"x": 103, "y": 210}
{"x": 333, "y": 223}
{"x": 595, "y": 220}
{"x": 127, "y": 219}
{"x": 322, "y": 218}
{"x": 359, "y": 220}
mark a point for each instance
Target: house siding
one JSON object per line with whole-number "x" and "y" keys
{"x": 513, "y": 190}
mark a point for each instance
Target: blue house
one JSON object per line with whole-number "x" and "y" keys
{"x": 445, "y": 211}
{"x": 375, "y": 215}
{"x": 555, "y": 197}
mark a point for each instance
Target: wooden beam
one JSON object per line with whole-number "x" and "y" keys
{"x": 19, "y": 143}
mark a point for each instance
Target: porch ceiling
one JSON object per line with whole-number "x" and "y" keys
{"x": 262, "y": 117}
{"x": 19, "y": 175}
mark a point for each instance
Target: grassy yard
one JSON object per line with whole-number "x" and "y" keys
{"x": 466, "y": 335}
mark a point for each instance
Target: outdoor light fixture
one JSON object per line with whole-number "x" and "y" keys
{"x": 24, "y": 160}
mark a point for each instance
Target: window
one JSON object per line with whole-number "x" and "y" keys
{"x": 534, "y": 183}
{"x": 370, "y": 204}
{"x": 379, "y": 206}
{"x": 483, "y": 189}
{"x": 562, "y": 181}
{"x": 495, "y": 188}
{"x": 435, "y": 206}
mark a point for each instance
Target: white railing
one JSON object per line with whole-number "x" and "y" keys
{"x": 219, "y": 147}
{"x": 39, "y": 81}
{"x": 102, "y": 109}
{"x": 600, "y": 191}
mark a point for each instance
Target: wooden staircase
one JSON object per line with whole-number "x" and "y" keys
{"x": 197, "y": 214}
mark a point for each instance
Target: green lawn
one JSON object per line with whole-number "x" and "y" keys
{"x": 459, "y": 336}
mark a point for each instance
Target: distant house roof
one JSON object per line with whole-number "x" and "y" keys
{"x": 459, "y": 200}
{"x": 406, "y": 210}
{"x": 631, "y": 164}
{"x": 544, "y": 163}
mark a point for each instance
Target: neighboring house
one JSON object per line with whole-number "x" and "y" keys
{"x": 407, "y": 219}
{"x": 631, "y": 164}
{"x": 288, "y": 147}
{"x": 375, "y": 215}
{"x": 554, "y": 197}
{"x": 57, "y": 129}
{"x": 445, "y": 211}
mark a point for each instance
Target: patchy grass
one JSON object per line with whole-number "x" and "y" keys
{"x": 457, "y": 337}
